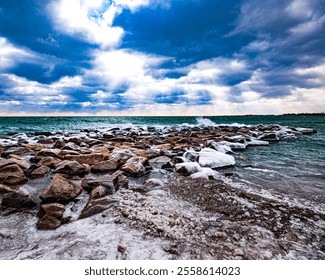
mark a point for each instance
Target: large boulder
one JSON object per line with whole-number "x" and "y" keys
{"x": 12, "y": 175}
{"x": 60, "y": 190}
{"x": 18, "y": 200}
{"x": 50, "y": 216}
{"x": 71, "y": 168}
{"x": 136, "y": 166}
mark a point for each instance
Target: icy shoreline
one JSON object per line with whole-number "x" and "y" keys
{"x": 147, "y": 193}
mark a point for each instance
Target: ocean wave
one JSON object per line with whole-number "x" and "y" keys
{"x": 205, "y": 122}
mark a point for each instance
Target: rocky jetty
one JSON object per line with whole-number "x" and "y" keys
{"x": 148, "y": 179}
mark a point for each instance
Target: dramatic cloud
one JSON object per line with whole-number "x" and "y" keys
{"x": 11, "y": 55}
{"x": 162, "y": 57}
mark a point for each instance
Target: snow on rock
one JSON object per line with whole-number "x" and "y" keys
{"x": 200, "y": 175}
{"x": 210, "y": 172}
{"x": 219, "y": 147}
{"x": 188, "y": 168}
{"x": 233, "y": 145}
{"x": 305, "y": 130}
{"x": 212, "y": 158}
{"x": 254, "y": 142}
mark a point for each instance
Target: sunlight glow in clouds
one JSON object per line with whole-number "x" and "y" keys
{"x": 163, "y": 57}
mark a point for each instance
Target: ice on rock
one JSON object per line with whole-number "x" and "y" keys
{"x": 305, "y": 130}
{"x": 233, "y": 145}
{"x": 188, "y": 167}
{"x": 212, "y": 158}
{"x": 200, "y": 175}
{"x": 254, "y": 142}
{"x": 209, "y": 171}
{"x": 223, "y": 149}
{"x": 219, "y": 147}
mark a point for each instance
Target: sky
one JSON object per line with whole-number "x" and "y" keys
{"x": 161, "y": 57}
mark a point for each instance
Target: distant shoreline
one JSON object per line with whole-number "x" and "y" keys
{"x": 157, "y": 116}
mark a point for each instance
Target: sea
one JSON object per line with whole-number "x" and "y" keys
{"x": 293, "y": 167}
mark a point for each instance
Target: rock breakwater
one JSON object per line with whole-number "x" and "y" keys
{"x": 164, "y": 183}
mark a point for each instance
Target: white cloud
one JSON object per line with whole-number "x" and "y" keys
{"x": 92, "y": 20}
{"x": 101, "y": 96}
{"x": 315, "y": 24}
{"x": 123, "y": 67}
{"x": 10, "y": 55}
{"x": 257, "y": 46}
{"x": 299, "y": 9}
{"x": 89, "y": 20}
{"x": 32, "y": 91}
{"x": 314, "y": 75}
{"x": 133, "y": 5}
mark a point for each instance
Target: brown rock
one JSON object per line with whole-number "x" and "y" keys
{"x": 95, "y": 206}
{"x": 146, "y": 153}
{"x": 71, "y": 146}
{"x": 60, "y": 190}
{"x": 7, "y": 188}
{"x": 99, "y": 192}
{"x": 33, "y": 147}
{"x": 18, "y": 200}
{"x": 40, "y": 171}
{"x": 121, "y": 249}
{"x": 12, "y": 175}
{"x": 45, "y": 141}
{"x": 13, "y": 159}
{"x": 105, "y": 151}
{"x": 49, "y": 153}
{"x": 15, "y": 151}
{"x": 50, "y": 216}
{"x": 90, "y": 159}
{"x": 59, "y": 144}
{"x": 71, "y": 168}
{"x": 120, "y": 179}
{"x": 105, "y": 166}
{"x": 121, "y": 155}
{"x": 105, "y": 181}
{"x": 65, "y": 153}
{"x": 135, "y": 166}
{"x": 49, "y": 161}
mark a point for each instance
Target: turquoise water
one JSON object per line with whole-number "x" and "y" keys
{"x": 296, "y": 167}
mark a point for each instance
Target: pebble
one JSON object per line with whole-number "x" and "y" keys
{"x": 239, "y": 252}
